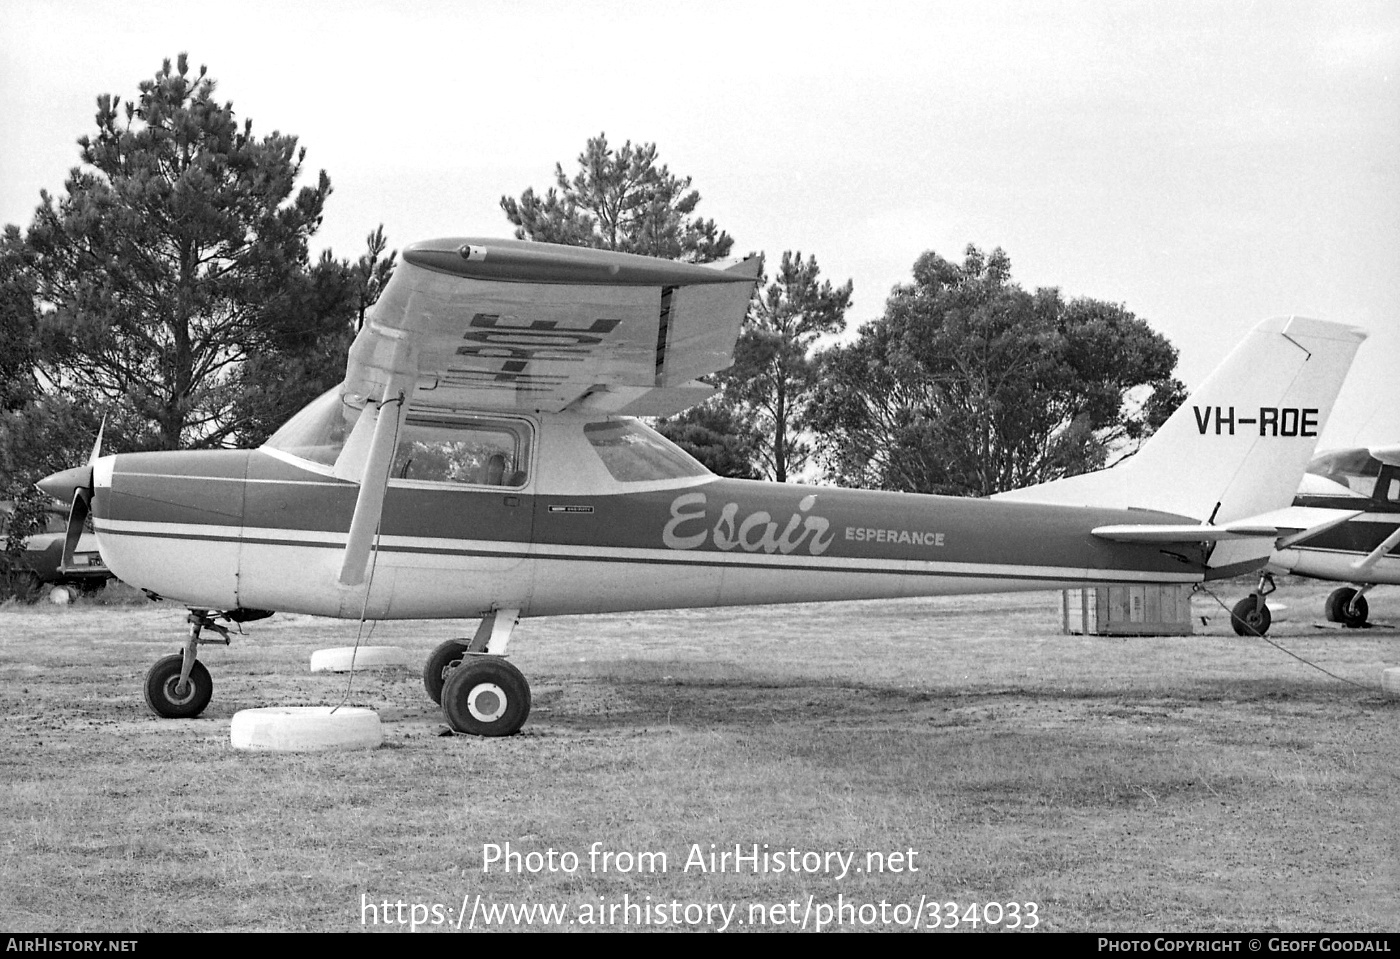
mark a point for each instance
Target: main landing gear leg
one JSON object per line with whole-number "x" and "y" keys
{"x": 1251, "y": 616}
{"x": 178, "y": 686}
{"x": 481, "y": 693}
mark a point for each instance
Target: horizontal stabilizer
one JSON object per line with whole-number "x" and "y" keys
{"x": 1183, "y": 532}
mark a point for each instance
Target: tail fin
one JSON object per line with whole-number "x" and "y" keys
{"x": 1239, "y": 444}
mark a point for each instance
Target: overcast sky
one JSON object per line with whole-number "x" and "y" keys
{"x": 1207, "y": 165}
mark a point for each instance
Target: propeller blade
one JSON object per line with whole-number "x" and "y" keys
{"x": 97, "y": 447}
{"x": 77, "y": 517}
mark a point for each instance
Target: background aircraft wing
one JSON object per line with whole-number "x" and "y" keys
{"x": 508, "y": 324}
{"x": 1390, "y": 455}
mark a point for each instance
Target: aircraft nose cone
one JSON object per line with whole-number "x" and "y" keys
{"x": 64, "y": 485}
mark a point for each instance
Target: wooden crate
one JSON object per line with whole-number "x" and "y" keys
{"x": 1147, "y": 610}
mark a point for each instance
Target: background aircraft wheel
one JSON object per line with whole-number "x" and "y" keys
{"x": 448, "y": 654}
{"x": 1340, "y": 608}
{"x": 161, "y": 694}
{"x": 1250, "y": 617}
{"x": 1334, "y": 598}
{"x": 486, "y": 696}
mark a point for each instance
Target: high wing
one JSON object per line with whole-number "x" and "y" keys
{"x": 508, "y": 324}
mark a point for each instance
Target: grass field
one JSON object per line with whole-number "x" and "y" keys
{"x": 1206, "y": 783}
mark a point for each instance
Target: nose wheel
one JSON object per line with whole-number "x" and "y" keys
{"x": 178, "y": 686}
{"x": 171, "y": 698}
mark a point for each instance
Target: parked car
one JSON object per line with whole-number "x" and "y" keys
{"x": 40, "y": 566}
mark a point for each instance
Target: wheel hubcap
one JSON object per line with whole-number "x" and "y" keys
{"x": 487, "y": 702}
{"x": 173, "y": 693}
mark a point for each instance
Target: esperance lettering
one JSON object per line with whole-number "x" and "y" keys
{"x": 914, "y": 536}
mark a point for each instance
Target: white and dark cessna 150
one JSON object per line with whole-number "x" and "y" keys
{"x": 1353, "y": 501}
{"x": 481, "y": 459}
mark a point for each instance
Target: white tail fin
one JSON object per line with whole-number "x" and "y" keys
{"x": 1239, "y": 444}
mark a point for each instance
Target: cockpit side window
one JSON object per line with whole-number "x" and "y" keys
{"x": 469, "y": 450}
{"x": 634, "y": 454}
{"x": 432, "y": 447}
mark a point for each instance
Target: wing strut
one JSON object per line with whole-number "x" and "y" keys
{"x": 1365, "y": 565}
{"x": 374, "y": 438}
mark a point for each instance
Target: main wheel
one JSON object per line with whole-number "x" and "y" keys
{"x": 1250, "y": 617}
{"x": 486, "y": 696}
{"x": 446, "y": 657}
{"x": 163, "y": 695}
{"x": 1347, "y": 607}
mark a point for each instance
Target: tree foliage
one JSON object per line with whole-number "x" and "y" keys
{"x": 168, "y": 293}
{"x": 308, "y": 334}
{"x": 775, "y": 372}
{"x": 970, "y": 385}
{"x": 178, "y": 252}
{"x": 620, "y": 200}
{"x": 718, "y": 435}
{"x": 39, "y": 433}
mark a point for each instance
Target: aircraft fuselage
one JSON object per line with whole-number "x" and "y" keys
{"x": 250, "y": 529}
{"x": 1333, "y": 554}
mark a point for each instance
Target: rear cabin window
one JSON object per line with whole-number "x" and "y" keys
{"x": 633, "y": 453}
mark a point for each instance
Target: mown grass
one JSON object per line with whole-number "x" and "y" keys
{"x": 1177, "y": 784}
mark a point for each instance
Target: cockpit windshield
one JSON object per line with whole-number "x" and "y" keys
{"x": 318, "y": 432}
{"x": 1342, "y": 473}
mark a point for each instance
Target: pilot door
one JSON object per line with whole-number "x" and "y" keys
{"x": 458, "y": 516}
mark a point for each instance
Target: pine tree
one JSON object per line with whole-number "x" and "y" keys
{"x": 174, "y": 256}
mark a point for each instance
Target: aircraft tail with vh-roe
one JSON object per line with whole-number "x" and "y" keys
{"x": 1233, "y": 453}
